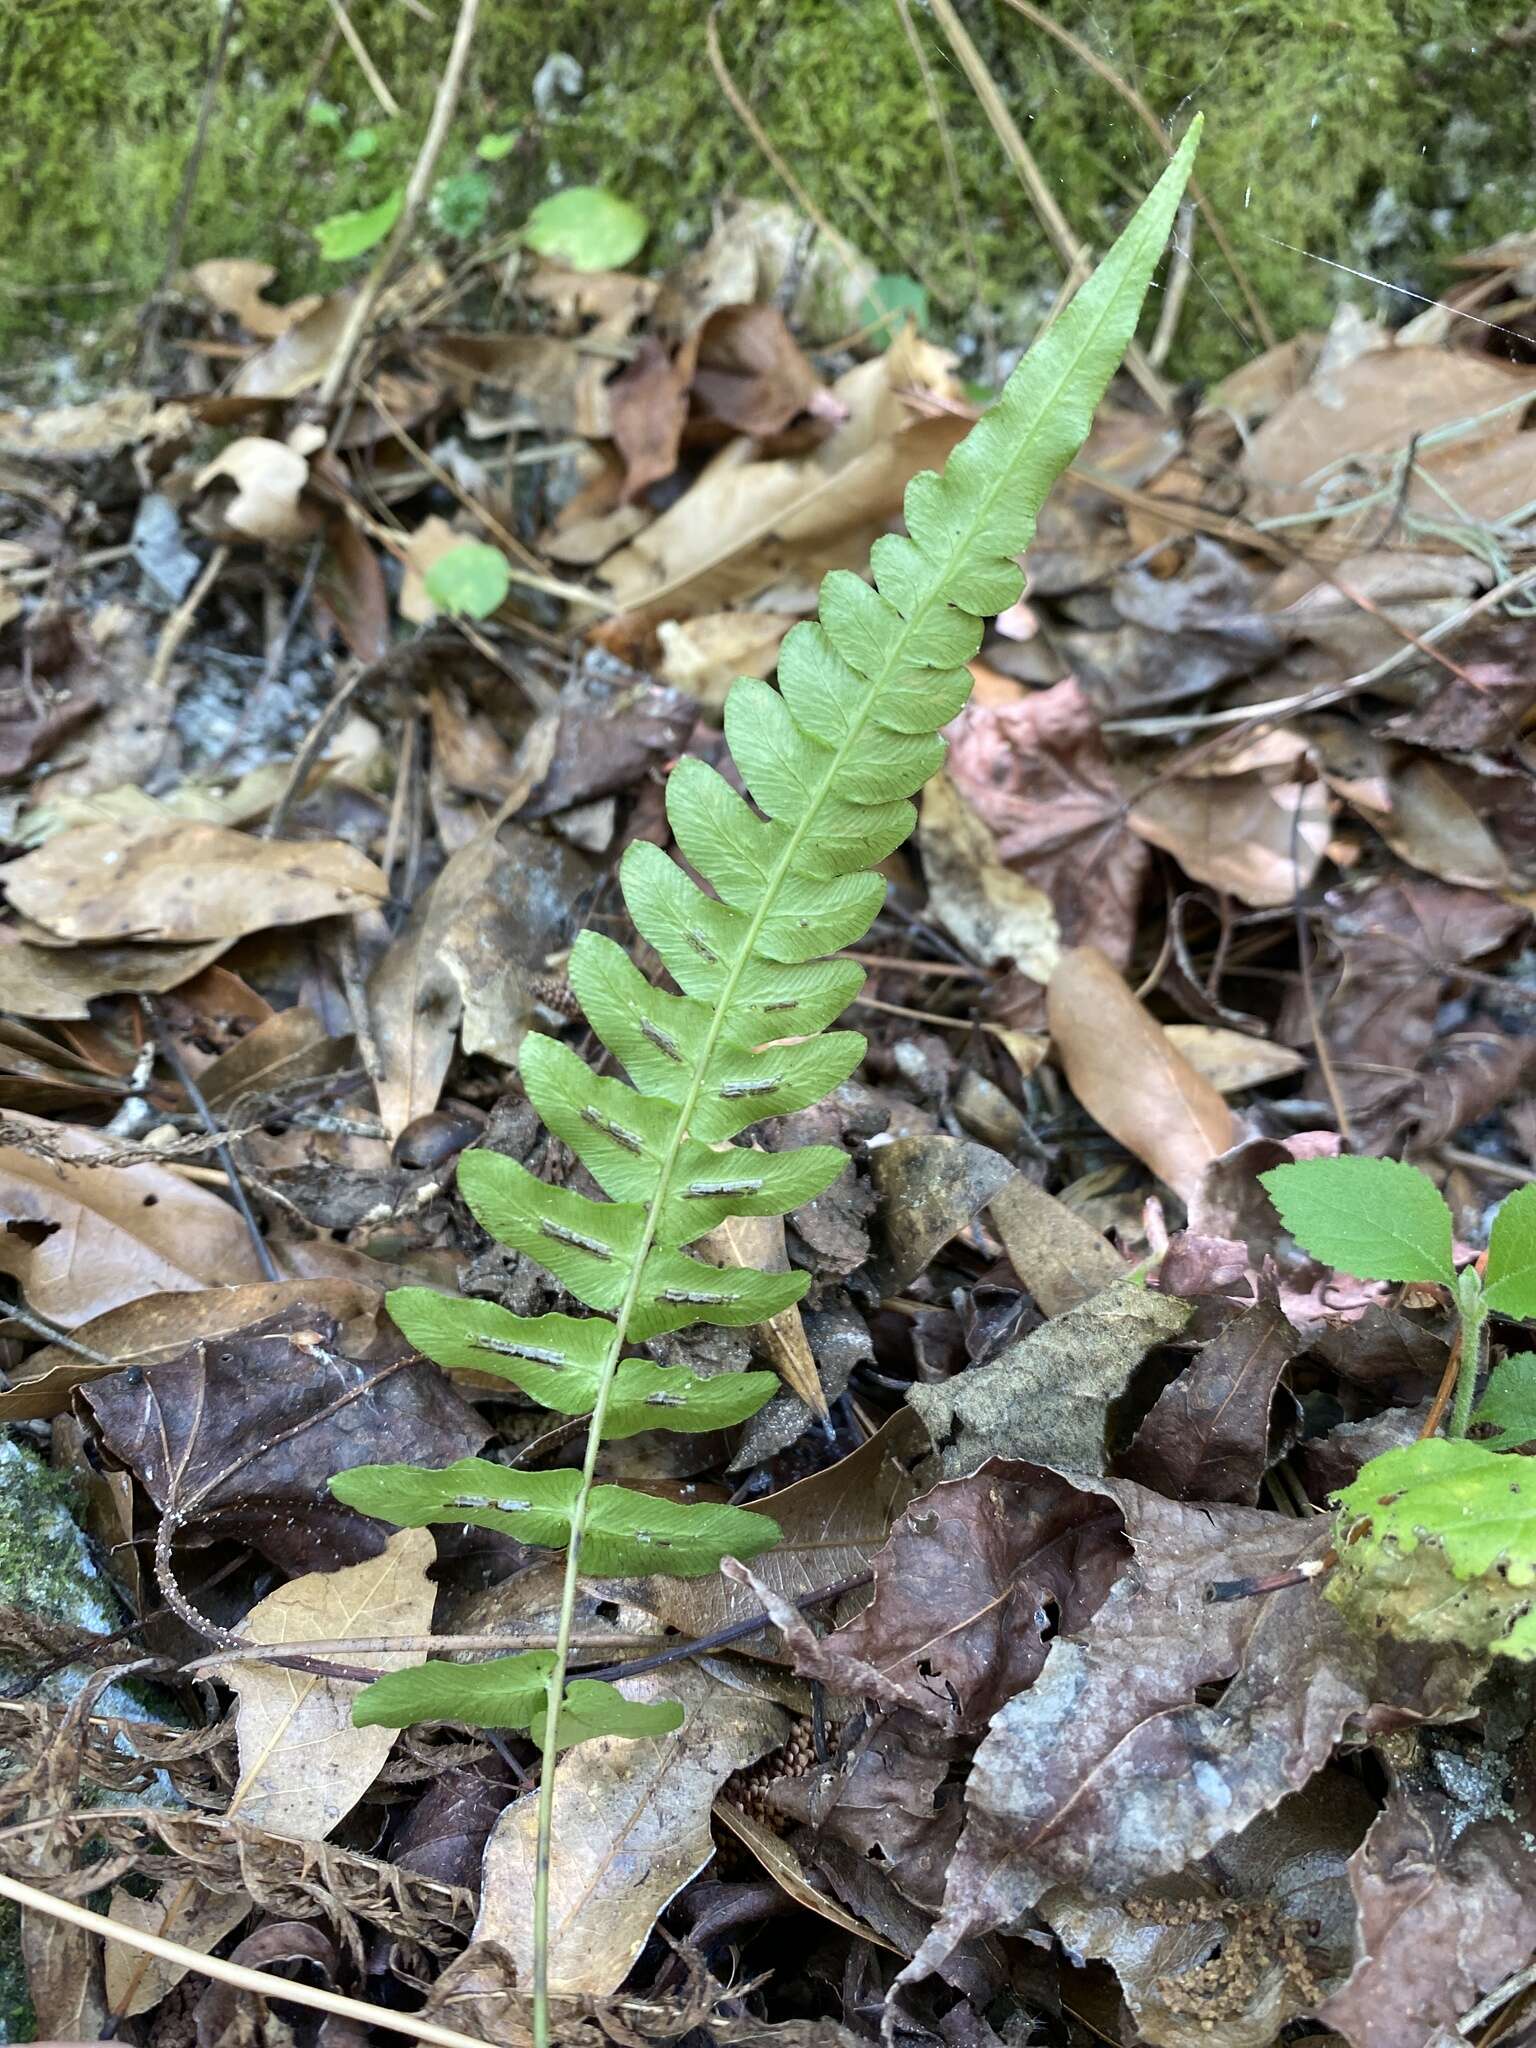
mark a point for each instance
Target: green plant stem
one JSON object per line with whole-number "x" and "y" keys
{"x": 1474, "y": 1315}
{"x": 941, "y": 579}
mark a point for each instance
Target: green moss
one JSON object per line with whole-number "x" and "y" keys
{"x": 45, "y": 1563}
{"x": 1382, "y": 133}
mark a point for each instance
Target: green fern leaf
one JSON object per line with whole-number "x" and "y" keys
{"x": 830, "y": 760}
{"x": 509, "y": 1692}
{"x": 626, "y": 1532}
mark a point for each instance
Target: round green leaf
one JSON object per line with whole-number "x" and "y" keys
{"x": 363, "y": 143}
{"x": 492, "y": 148}
{"x": 472, "y": 578}
{"x": 586, "y": 228}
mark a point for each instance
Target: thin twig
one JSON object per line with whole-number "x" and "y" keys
{"x": 952, "y": 179}
{"x": 149, "y": 342}
{"x": 263, "y": 1983}
{"x": 205, "y": 1116}
{"x": 365, "y": 63}
{"x": 179, "y": 624}
{"x": 1444, "y": 1391}
{"x": 361, "y": 310}
{"x": 14, "y": 1312}
{"x": 355, "y": 988}
{"x": 759, "y": 135}
{"x": 1133, "y": 99}
{"x": 1176, "y": 288}
{"x": 314, "y": 745}
{"x": 1077, "y": 259}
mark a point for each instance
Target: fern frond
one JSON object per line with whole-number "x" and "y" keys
{"x": 830, "y": 759}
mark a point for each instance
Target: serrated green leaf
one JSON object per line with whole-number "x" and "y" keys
{"x": 586, "y": 228}
{"x": 1509, "y": 1276}
{"x": 1439, "y": 1544}
{"x": 472, "y": 578}
{"x": 1375, "y": 1218}
{"x": 510, "y": 1693}
{"x": 346, "y": 235}
{"x": 1509, "y": 1404}
{"x": 627, "y": 1533}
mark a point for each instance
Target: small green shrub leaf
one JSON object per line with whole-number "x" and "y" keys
{"x": 472, "y": 578}
{"x": 891, "y": 299}
{"x": 492, "y": 148}
{"x": 461, "y": 205}
{"x": 1509, "y": 1278}
{"x": 346, "y": 235}
{"x": 626, "y": 1533}
{"x": 322, "y": 114}
{"x": 1439, "y": 1545}
{"x": 511, "y": 1693}
{"x": 586, "y": 228}
{"x": 362, "y": 143}
{"x": 1375, "y": 1218}
{"x": 1509, "y": 1404}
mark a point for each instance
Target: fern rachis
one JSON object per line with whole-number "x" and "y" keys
{"x": 830, "y": 759}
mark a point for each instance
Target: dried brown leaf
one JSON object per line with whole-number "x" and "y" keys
{"x": 1207, "y": 1437}
{"x": 998, "y": 917}
{"x": 930, "y": 1188}
{"x": 1126, "y": 1073}
{"x": 1057, "y": 1254}
{"x": 758, "y": 1242}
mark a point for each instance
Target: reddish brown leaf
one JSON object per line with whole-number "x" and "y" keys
{"x": 1207, "y": 1437}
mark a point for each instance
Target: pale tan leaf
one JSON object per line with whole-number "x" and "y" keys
{"x": 300, "y": 356}
{"x": 234, "y": 284}
{"x": 996, "y": 915}
{"x": 783, "y": 1866}
{"x": 1231, "y": 1060}
{"x": 186, "y": 882}
{"x": 183, "y": 1911}
{"x": 268, "y": 477}
{"x": 433, "y": 539}
{"x": 1261, "y": 841}
{"x": 758, "y": 1242}
{"x": 704, "y": 656}
{"x": 303, "y": 1766}
{"x": 80, "y": 1240}
{"x": 1126, "y": 1072}
{"x": 53, "y": 982}
{"x": 632, "y": 1826}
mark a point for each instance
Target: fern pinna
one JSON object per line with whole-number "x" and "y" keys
{"x": 830, "y": 758}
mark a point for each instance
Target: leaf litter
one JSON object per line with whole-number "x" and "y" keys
{"x": 318, "y": 744}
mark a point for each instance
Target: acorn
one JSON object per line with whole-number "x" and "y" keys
{"x": 433, "y": 1140}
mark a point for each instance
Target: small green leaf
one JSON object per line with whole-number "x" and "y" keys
{"x": 586, "y": 228}
{"x": 509, "y": 1692}
{"x": 1375, "y": 1218}
{"x": 1509, "y": 1278}
{"x": 892, "y": 299}
{"x": 472, "y": 578}
{"x": 361, "y": 144}
{"x": 492, "y": 148}
{"x": 346, "y": 235}
{"x": 460, "y": 205}
{"x": 1509, "y": 1402}
{"x": 322, "y": 114}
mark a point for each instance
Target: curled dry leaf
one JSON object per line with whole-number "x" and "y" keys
{"x": 159, "y": 1326}
{"x": 268, "y": 477}
{"x": 963, "y": 1585}
{"x": 1127, "y": 1074}
{"x": 186, "y": 883}
{"x": 1207, "y": 1437}
{"x": 234, "y": 284}
{"x": 1230, "y": 1060}
{"x": 633, "y": 1822}
{"x": 1446, "y": 1913}
{"x": 303, "y": 1766}
{"x": 49, "y": 982}
{"x": 929, "y": 1189}
{"x": 783, "y": 1866}
{"x": 999, "y": 918}
{"x": 1260, "y": 840}
{"x": 1036, "y": 771}
{"x": 82, "y": 1239}
{"x": 1048, "y": 1397}
{"x": 832, "y": 1523}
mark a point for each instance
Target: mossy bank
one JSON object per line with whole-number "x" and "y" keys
{"x": 1385, "y": 133}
